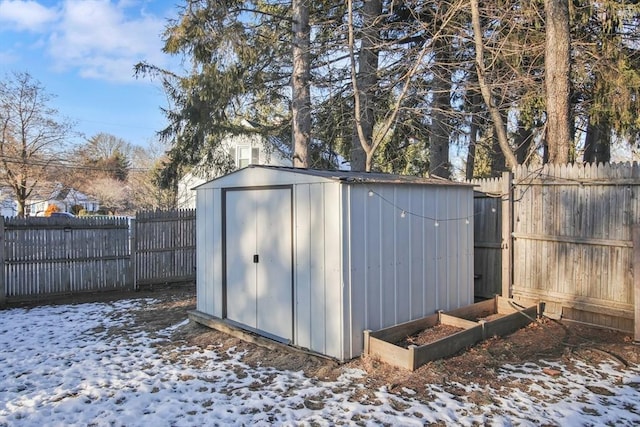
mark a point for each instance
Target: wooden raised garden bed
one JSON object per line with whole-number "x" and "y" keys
{"x": 412, "y": 344}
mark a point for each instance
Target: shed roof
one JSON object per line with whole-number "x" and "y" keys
{"x": 352, "y": 177}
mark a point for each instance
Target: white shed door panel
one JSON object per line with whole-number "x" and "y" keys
{"x": 259, "y": 266}
{"x": 241, "y": 246}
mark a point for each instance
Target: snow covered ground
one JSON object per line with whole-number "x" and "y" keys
{"x": 60, "y": 366}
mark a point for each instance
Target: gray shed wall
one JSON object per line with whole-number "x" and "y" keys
{"x": 209, "y": 252}
{"x": 404, "y": 268}
{"x": 316, "y": 261}
{"x": 317, "y": 268}
{"x": 357, "y": 263}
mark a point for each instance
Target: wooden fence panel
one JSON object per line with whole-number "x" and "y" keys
{"x": 487, "y": 237}
{"x": 48, "y": 256}
{"x": 165, "y": 246}
{"x": 573, "y": 240}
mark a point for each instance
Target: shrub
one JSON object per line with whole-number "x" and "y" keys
{"x": 50, "y": 209}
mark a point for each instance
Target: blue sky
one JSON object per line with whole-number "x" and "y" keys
{"x": 83, "y": 53}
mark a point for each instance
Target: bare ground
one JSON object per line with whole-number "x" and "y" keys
{"x": 545, "y": 340}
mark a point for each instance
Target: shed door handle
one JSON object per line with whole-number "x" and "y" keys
{"x": 256, "y": 258}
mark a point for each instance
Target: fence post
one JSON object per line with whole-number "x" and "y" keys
{"x": 3, "y": 267}
{"x": 132, "y": 253}
{"x": 507, "y": 229}
{"x": 636, "y": 282}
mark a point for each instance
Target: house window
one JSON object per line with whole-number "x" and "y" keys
{"x": 245, "y": 155}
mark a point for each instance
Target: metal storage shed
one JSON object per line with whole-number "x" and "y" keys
{"x": 313, "y": 258}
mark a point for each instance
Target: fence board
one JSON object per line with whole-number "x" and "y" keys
{"x": 47, "y": 256}
{"x": 165, "y": 246}
{"x": 572, "y": 240}
{"x": 487, "y": 237}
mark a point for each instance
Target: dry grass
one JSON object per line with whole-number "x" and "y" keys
{"x": 543, "y": 340}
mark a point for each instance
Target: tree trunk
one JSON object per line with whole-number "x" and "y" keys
{"x": 597, "y": 148}
{"x": 476, "y": 99}
{"x": 367, "y": 81}
{"x": 21, "y": 198}
{"x": 524, "y": 137}
{"x": 439, "y": 141}
{"x": 557, "y": 80}
{"x": 498, "y": 161}
{"x": 20, "y": 208}
{"x": 485, "y": 89}
{"x": 301, "y": 98}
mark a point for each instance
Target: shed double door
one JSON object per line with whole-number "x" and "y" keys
{"x": 259, "y": 279}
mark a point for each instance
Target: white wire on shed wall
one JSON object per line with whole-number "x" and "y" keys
{"x": 404, "y": 267}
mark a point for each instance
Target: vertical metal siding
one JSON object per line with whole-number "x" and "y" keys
{"x": 317, "y": 267}
{"x": 404, "y": 268}
{"x": 214, "y": 266}
{"x": 416, "y": 257}
{"x": 373, "y": 273}
{"x": 301, "y": 258}
{"x": 315, "y": 250}
{"x": 345, "y": 241}
{"x": 386, "y": 230}
{"x": 440, "y": 244}
{"x": 204, "y": 300}
{"x": 467, "y": 260}
{"x": 357, "y": 267}
{"x": 208, "y": 244}
{"x": 332, "y": 273}
{"x": 456, "y": 256}
{"x": 402, "y": 253}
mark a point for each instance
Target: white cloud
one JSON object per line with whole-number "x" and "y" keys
{"x": 25, "y": 15}
{"x": 7, "y": 57}
{"x": 97, "y": 39}
{"x": 103, "y": 40}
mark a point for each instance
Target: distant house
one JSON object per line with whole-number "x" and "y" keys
{"x": 244, "y": 150}
{"x": 65, "y": 198}
{"x": 8, "y": 207}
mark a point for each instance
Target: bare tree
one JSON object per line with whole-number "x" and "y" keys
{"x": 365, "y": 81}
{"x": 104, "y": 155}
{"x": 104, "y": 145}
{"x": 31, "y": 135}
{"x": 486, "y": 90}
{"x": 112, "y": 194}
{"x": 439, "y": 142}
{"x": 300, "y": 84}
{"x": 145, "y": 191}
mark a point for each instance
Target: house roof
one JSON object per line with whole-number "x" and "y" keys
{"x": 62, "y": 193}
{"x": 352, "y": 177}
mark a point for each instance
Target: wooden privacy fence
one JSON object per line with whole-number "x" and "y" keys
{"x": 49, "y": 256}
{"x": 570, "y": 237}
{"x": 165, "y": 246}
{"x": 487, "y": 236}
{"x": 60, "y": 255}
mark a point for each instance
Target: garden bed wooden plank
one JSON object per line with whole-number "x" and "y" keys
{"x": 495, "y": 317}
{"x": 403, "y": 330}
{"x": 510, "y": 323}
{"x": 445, "y": 347}
{"x": 458, "y": 322}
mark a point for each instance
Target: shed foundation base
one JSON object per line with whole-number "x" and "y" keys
{"x": 234, "y": 330}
